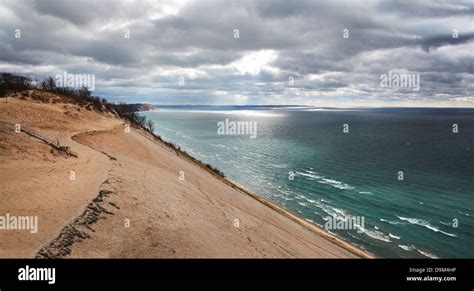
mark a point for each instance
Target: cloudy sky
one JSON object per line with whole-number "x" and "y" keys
{"x": 323, "y": 53}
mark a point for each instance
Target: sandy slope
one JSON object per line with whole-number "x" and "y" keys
{"x": 127, "y": 199}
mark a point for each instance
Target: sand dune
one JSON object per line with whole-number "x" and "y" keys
{"x": 128, "y": 199}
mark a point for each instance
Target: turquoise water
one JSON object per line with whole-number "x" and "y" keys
{"x": 302, "y": 160}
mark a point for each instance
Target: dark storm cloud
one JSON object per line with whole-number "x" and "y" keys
{"x": 278, "y": 40}
{"x": 428, "y": 9}
{"x": 107, "y": 52}
{"x": 435, "y": 42}
{"x": 87, "y": 12}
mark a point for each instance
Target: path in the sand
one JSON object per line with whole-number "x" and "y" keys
{"x": 127, "y": 198}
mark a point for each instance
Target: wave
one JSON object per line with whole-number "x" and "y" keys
{"x": 393, "y": 236}
{"x": 310, "y": 200}
{"x": 426, "y": 254}
{"x": 392, "y": 222}
{"x": 353, "y": 236}
{"x": 426, "y": 224}
{"x": 410, "y": 248}
{"x": 322, "y": 180}
{"x": 332, "y": 211}
{"x": 375, "y": 234}
{"x": 340, "y": 214}
{"x": 302, "y": 197}
{"x": 446, "y": 223}
{"x": 309, "y": 175}
{"x": 279, "y": 166}
{"x": 336, "y": 184}
{"x": 464, "y": 213}
{"x": 407, "y": 248}
{"x": 287, "y": 198}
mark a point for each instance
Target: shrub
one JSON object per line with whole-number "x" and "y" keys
{"x": 13, "y": 83}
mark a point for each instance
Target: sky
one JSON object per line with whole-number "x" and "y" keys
{"x": 320, "y": 53}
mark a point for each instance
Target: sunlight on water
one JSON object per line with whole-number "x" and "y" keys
{"x": 303, "y": 160}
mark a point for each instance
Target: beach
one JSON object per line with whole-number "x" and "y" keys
{"x": 401, "y": 172}
{"x": 128, "y": 195}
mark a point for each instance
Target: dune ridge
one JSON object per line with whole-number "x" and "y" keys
{"x": 128, "y": 200}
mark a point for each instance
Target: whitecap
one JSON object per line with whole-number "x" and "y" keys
{"x": 393, "y": 236}
{"x": 322, "y": 180}
{"x": 428, "y": 254}
{"x": 310, "y": 200}
{"x": 375, "y": 234}
{"x": 391, "y": 222}
{"x": 309, "y": 175}
{"x": 336, "y": 184}
{"x": 426, "y": 224}
{"x": 332, "y": 211}
{"x": 407, "y": 248}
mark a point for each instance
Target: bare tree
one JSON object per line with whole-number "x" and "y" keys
{"x": 150, "y": 125}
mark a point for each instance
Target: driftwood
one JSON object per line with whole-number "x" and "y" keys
{"x": 56, "y": 146}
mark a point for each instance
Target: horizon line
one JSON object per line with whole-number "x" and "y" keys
{"x": 309, "y": 106}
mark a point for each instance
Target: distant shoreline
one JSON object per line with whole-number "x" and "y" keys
{"x": 276, "y": 106}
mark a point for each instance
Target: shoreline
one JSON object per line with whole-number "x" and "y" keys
{"x": 134, "y": 176}
{"x": 275, "y": 207}
{"x": 318, "y": 230}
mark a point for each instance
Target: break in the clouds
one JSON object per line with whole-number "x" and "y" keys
{"x": 324, "y": 53}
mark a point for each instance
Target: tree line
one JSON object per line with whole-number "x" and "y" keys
{"x": 12, "y": 83}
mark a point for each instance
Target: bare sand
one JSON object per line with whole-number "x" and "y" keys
{"x": 127, "y": 199}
